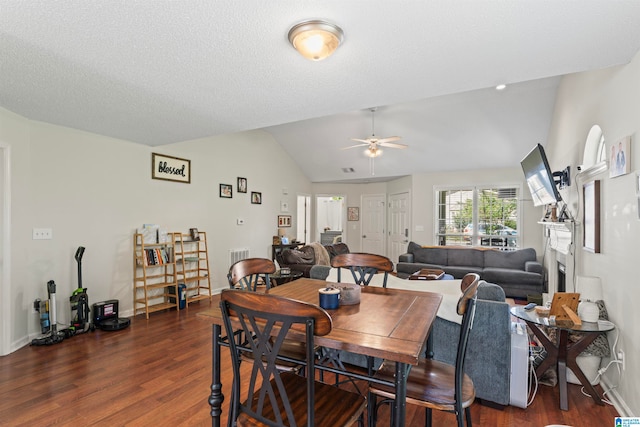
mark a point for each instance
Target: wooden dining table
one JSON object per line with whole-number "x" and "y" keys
{"x": 391, "y": 324}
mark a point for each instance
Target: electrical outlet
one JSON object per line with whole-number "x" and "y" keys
{"x": 621, "y": 358}
{"x": 42, "y": 234}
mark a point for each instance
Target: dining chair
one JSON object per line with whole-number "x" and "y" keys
{"x": 246, "y": 274}
{"x": 433, "y": 384}
{"x": 363, "y": 266}
{"x": 274, "y": 397}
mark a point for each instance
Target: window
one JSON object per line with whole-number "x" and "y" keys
{"x": 478, "y": 216}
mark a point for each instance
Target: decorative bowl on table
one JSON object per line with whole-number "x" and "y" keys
{"x": 349, "y": 293}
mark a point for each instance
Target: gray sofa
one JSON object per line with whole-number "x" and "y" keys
{"x": 518, "y": 272}
{"x": 489, "y": 353}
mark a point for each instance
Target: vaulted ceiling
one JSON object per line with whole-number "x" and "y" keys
{"x": 158, "y": 72}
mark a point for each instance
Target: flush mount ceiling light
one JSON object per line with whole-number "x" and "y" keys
{"x": 315, "y": 39}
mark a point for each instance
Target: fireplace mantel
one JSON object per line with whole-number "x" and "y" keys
{"x": 561, "y": 235}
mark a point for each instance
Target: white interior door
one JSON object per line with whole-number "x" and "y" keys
{"x": 373, "y": 224}
{"x": 399, "y": 224}
{"x": 303, "y": 219}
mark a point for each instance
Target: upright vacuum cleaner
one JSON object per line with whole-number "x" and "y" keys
{"x": 79, "y": 302}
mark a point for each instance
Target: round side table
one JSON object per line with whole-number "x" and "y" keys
{"x": 278, "y": 278}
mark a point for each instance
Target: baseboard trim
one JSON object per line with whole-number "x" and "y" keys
{"x": 614, "y": 397}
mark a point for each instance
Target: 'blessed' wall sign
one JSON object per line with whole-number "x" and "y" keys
{"x": 170, "y": 168}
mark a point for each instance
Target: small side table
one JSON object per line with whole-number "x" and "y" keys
{"x": 563, "y": 354}
{"x": 278, "y": 278}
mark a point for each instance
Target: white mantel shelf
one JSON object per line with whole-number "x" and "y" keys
{"x": 560, "y": 225}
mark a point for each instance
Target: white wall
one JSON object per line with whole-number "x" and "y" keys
{"x": 611, "y": 99}
{"x": 94, "y": 191}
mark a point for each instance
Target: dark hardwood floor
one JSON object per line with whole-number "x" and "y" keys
{"x": 158, "y": 372}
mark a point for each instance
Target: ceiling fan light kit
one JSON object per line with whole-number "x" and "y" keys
{"x": 374, "y": 143}
{"x": 373, "y": 152}
{"x": 315, "y": 39}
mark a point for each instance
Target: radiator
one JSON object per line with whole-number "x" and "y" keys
{"x": 236, "y": 255}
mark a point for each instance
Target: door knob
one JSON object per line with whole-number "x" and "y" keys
{"x": 364, "y": 236}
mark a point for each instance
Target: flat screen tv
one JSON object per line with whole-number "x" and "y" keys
{"x": 540, "y": 178}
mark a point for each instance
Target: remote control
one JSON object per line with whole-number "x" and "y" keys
{"x": 530, "y": 306}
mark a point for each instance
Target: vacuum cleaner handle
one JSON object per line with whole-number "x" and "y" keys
{"x": 79, "y": 253}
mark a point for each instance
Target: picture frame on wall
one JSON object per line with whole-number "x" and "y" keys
{"x": 353, "y": 214}
{"x": 242, "y": 185}
{"x": 591, "y": 218}
{"x": 256, "y": 198}
{"x": 169, "y": 168}
{"x": 226, "y": 191}
{"x": 619, "y": 160}
{"x": 284, "y": 220}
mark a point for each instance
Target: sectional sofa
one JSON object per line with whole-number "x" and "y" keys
{"x": 518, "y": 272}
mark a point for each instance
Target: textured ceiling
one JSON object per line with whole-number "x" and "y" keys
{"x": 158, "y": 72}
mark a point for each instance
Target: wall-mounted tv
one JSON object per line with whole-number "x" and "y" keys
{"x": 540, "y": 178}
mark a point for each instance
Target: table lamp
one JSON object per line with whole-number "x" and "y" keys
{"x": 590, "y": 289}
{"x": 283, "y": 237}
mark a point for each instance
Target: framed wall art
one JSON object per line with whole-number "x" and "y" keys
{"x": 591, "y": 220}
{"x": 353, "y": 214}
{"x": 226, "y": 191}
{"x": 242, "y": 185}
{"x": 284, "y": 220}
{"x": 620, "y": 162}
{"x": 256, "y": 198}
{"x": 170, "y": 168}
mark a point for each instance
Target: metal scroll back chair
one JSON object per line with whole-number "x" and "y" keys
{"x": 247, "y": 273}
{"x": 363, "y": 266}
{"x": 438, "y": 385}
{"x": 274, "y": 397}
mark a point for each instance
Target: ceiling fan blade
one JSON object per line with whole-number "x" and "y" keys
{"x": 389, "y": 139}
{"x": 392, "y": 145}
{"x": 357, "y": 145}
{"x": 366, "y": 141}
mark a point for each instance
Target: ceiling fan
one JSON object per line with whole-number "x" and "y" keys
{"x": 373, "y": 143}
